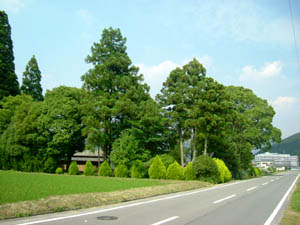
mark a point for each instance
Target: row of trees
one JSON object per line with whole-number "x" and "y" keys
{"x": 114, "y": 114}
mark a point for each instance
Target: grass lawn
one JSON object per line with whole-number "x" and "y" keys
{"x": 292, "y": 214}
{"x": 21, "y": 186}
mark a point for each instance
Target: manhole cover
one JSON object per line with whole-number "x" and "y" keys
{"x": 107, "y": 218}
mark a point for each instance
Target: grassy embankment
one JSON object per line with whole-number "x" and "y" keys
{"x": 292, "y": 213}
{"x": 24, "y": 194}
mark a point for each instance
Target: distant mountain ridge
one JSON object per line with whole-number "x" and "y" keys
{"x": 289, "y": 145}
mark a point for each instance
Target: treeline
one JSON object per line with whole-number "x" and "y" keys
{"x": 114, "y": 114}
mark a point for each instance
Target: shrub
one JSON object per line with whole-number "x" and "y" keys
{"x": 189, "y": 172}
{"x": 73, "y": 168}
{"x": 220, "y": 169}
{"x": 228, "y": 175}
{"x": 121, "y": 171}
{"x": 105, "y": 170}
{"x": 138, "y": 170}
{"x": 175, "y": 172}
{"x": 206, "y": 169}
{"x": 89, "y": 169}
{"x": 59, "y": 171}
{"x": 157, "y": 169}
{"x": 256, "y": 171}
{"x": 165, "y": 158}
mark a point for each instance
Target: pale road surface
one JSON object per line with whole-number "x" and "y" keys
{"x": 249, "y": 202}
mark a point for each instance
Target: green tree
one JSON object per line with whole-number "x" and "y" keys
{"x": 60, "y": 123}
{"x": 19, "y": 143}
{"x": 9, "y": 84}
{"x": 126, "y": 150}
{"x": 115, "y": 86}
{"x": 173, "y": 98}
{"x": 31, "y": 84}
{"x": 251, "y": 126}
{"x": 73, "y": 168}
{"x": 121, "y": 171}
{"x": 211, "y": 112}
{"x": 138, "y": 170}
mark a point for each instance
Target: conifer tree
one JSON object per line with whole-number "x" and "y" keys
{"x": 31, "y": 84}
{"x": 9, "y": 84}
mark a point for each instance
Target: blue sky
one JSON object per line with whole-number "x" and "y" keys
{"x": 246, "y": 43}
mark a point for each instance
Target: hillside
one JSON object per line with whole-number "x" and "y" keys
{"x": 289, "y": 145}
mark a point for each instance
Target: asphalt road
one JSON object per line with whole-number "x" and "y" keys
{"x": 249, "y": 202}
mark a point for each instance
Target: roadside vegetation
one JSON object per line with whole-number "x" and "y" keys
{"x": 292, "y": 213}
{"x": 24, "y": 194}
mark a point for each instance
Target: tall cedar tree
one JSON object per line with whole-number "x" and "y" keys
{"x": 31, "y": 84}
{"x": 178, "y": 96}
{"x": 9, "y": 84}
{"x": 116, "y": 88}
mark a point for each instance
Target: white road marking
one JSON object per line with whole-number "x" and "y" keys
{"x": 166, "y": 220}
{"x": 223, "y": 199}
{"x": 265, "y": 183}
{"x": 251, "y": 188}
{"x": 276, "y": 210}
{"x": 271, "y": 180}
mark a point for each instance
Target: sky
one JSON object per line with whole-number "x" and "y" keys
{"x": 243, "y": 43}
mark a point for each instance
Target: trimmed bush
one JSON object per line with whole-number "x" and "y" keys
{"x": 189, "y": 172}
{"x": 165, "y": 158}
{"x": 89, "y": 169}
{"x": 175, "y": 172}
{"x": 121, "y": 171}
{"x": 220, "y": 169}
{"x": 105, "y": 170}
{"x": 157, "y": 169}
{"x": 225, "y": 174}
{"x": 59, "y": 171}
{"x": 73, "y": 168}
{"x": 206, "y": 169}
{"x": 256, "y": 171}
{"x": 138, "y": 170}
{"x": 50, "y": 165}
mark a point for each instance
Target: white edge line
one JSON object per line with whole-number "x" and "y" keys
{"x": 276, "y": 210}
{"x": 251, "y": 188}
{"x": 131, "y": 205}
{"x": 223, "y": 199}
{"x": 166, "y": 220}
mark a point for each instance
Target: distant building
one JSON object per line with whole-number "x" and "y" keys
{"x": 82, "y": 157}
{"x": 267, "y": 160}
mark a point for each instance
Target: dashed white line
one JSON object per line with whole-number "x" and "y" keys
{"x": 166, "y": 220}
{"x": 271, "y": 180}
{"x": 223, "y": 199}
{"x": 265, "y": 183}
{"x": 251, "y": 188}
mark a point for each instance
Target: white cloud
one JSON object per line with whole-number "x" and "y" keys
{"x": 12, "y": 5}
{"x": 84, "y": 16}
{"x": 155, "y": 75}
{"x": 269, "y": 70}
{"x": 287, "y": 110}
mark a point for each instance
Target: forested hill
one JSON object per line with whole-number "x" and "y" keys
{"x": 289, "y": 145}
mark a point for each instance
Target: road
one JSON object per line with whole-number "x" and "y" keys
{"x": 248, "y": 202}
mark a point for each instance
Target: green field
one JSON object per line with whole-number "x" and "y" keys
{"x": 21, "y": 186}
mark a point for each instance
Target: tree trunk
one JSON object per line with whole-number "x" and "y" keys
{"x": 98, "y": 157}
{"x": 181, "y": 151}
{"x": 205, "y": 146}
{"x": 194, "y": 145}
